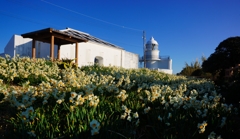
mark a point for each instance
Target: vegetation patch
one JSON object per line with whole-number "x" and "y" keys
{"x": 109, "y": 102}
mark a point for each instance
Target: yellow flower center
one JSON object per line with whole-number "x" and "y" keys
{"x": 94, "y": 125}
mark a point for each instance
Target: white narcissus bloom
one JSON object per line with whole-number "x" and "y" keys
{"x": 211, "y": 97}
{"x": 80, "y": 99}
{"x": 77, "y": 103}
{"x": 71, "y": 100}
{"x": 60, "y": 83}
{"x": 223, "y": 122}
{"x": 163, "y": 102}
{"x": 168, "y": 124}
{"x": 166, "y": 105}
{"x": 159, "y": 118}
{"x": 25, "y": 115}
{"x": 202, "y": 126}
{"x": 169, "y": 115}
{"x": 72, "y": 108}
{"x": 199, "y": 112}
{"x": 30, "y": 110}
{"x": 32, "y": 99}
{"x": 45, "y": 102}
{"x": 124, "y": 96}
{"x": 123, "y": 116}
{"x": 146, "y": 110}
{"x": 90, "y": 96}
{"x": 137, "y": 122}
{"x": 32, "y": 133}
{"x": 91, "y": 102}
{"x": 135, "y": 115}
{"x": 94, "y": 131}
{"x": 129, "y": 118}
{"x": 73, "y": 94}
{"x": 59, "y": 101}
{"x": 128, "y": 111}
{"x": 25, "y": 98}
{"x": 94, "y": 124}
{"x": 20, "y": 106}
{"x": 124, "y": 107}
{"x": 212, "y": 135}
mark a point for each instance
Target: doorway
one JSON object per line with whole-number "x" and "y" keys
{"x": 98, "y": 60}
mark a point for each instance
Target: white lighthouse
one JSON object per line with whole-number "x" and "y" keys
{"x": 153, "y": 60}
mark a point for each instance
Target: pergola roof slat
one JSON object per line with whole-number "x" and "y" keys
{"x": 45, "y": 36}
{"x": 53, "y": 37}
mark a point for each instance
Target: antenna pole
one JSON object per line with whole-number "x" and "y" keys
{"x": 144, "y": 49}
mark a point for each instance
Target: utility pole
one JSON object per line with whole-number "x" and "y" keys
{"x": 144, "y": 49}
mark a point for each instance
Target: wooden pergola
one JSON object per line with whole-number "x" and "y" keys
{"x": 54, "y": 37}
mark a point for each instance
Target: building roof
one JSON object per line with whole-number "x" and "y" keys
{"x": 66, "y": 36}
{"x": 87, "y": 36}
{"x": 60, "y": 38}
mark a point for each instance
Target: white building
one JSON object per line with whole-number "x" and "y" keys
{"x": 87, "y": 52}
{"x": 153, "y": 60}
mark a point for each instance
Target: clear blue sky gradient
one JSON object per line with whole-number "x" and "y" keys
{"x": 184, "y": 29}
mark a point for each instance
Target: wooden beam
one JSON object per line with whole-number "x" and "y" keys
{"x": 52, "y": 48}
{"x": 59, "y": 39}
{"x": 41, "y": 36}
{"x": 68, "y": 38}
{"x": 76, "y": 53}
{"x": 30, "y": 34}
{"x": 58, "y": 55}
{"x": 33, "y": 48}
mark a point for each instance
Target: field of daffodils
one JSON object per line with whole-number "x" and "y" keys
{"x": 109, "y": 102}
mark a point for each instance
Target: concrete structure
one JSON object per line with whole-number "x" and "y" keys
{"x": 153, "y": 60}
{"x": 93, "y": 50}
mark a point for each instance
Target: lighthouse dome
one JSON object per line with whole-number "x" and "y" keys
{"x": 152, "y": 44}
{"x": 152, "y": 41}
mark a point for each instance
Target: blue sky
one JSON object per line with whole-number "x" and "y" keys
{"x": 184, "y": 29}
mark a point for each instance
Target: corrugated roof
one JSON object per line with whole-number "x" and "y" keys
{"x": 79, "y": 34}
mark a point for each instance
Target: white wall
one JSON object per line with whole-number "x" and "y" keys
{"x": 22, "y": 47}
{"x": 87, "y": 52}
{"x": 111, "y": 56}
{"x": 68, "y": 51}
{"x": 152, "y": 64}
{"x": 9, "y": 49}
{"x": 164, "y": 64}
{"x": 43, "y": 50}
{"x": 130, "y": 60}
{"x": 152, "y": 54}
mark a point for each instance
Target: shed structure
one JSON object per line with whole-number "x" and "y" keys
{"x": 53, "y": 37}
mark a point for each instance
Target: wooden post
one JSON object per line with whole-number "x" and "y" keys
{"x": 33, "y": 48}
{"x": 52, "y": 48}
{"x": 76, "y": 53}
{"x": 58, "y": 56}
